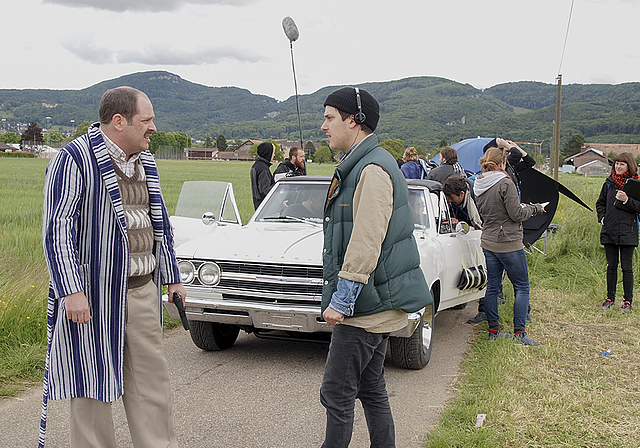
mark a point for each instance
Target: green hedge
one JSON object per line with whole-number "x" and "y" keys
{"x": 17, "y": 154}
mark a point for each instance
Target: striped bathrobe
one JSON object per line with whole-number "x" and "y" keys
{"x": 86, "y": 249}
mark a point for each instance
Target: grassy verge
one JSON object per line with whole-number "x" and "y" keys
{"x": 562, "y": 393}
{"x": 23, "y": 273}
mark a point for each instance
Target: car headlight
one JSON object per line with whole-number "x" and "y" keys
{"x": 187, "y": 271}
{"x": 209, "y": 274}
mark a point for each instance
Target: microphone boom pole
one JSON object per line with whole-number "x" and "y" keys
{"x": 295, "y": 84}
{"x": 291, "y": 31}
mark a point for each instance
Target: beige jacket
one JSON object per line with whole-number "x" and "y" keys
{"x": 372, "y": 208}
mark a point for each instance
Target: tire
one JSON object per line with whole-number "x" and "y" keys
{"x": 414, "y": 352}
{"x": 211, "y": 336}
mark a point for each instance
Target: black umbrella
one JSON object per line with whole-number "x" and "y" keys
{"x": 538, "y": 187}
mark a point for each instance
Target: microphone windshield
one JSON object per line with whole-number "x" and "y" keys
{"x": 290, "y": 29}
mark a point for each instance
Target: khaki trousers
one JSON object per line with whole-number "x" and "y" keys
{"x": 147, "y": 391}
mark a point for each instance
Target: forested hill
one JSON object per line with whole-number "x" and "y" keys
{"x": 420, "y": 111}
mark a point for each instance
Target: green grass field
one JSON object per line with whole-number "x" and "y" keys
{"x": 561, "y": 394}
{"x": 23, "y": 273}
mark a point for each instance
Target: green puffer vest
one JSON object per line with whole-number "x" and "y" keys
{"x": 397, "y": 281}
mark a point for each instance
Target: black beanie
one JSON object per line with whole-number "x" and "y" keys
{"x": 344, "y": 99}
{"x": 265, "y": 150}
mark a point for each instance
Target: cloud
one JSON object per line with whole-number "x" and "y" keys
{"x": 144, "y": 5}
{"x": 83, "y": 46}
{"x": 162, "y": 55}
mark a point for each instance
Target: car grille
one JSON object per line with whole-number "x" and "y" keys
{"x": 276, "y": 270}
{"x": 275, "y": 283}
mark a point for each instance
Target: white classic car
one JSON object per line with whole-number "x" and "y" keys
{"x": 266, "y": 277}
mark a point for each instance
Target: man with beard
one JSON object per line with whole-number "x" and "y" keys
{"x": 293, "y": 166}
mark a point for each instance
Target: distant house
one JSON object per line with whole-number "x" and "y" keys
{"x": 200, "y": 153}
{"x": 585, "y": 156}
{"x": 617, "y": 148}
{"x": 594, "y": 168}
{"x": 238, "y": 154}
{"x": 247, "y": 145}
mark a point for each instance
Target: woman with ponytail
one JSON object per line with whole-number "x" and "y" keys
{"x": 501, "y": 241}
{"x": 618, "y": 214}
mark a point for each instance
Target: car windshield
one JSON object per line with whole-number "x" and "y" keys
{"x": 294, "y": 202}
{"x": 419, "y": 207}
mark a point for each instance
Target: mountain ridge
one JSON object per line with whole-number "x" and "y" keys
{"x": 419, "y": 110}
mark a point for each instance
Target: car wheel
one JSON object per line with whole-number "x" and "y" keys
{"x": 212, "y": 336}
{"x": 414, "y": 352}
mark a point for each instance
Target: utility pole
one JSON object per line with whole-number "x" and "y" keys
{"x": 556, "y": 154}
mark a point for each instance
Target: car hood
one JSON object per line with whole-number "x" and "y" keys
{"x": 259, "y": 242}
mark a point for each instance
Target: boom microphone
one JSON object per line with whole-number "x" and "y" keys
{"x": 290, "y": 29}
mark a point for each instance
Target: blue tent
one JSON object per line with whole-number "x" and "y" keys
{"x": 469, "y": 152}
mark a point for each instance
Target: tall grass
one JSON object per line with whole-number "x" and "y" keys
{"x": 562, "y": 393}
{"x": 23, "y": 273}
{"x": 23, "y": 276}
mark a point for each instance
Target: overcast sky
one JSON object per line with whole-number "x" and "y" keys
{"x": 73, "y": 44}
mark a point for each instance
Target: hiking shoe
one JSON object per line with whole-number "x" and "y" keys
{"x": 522, "y": 338}
{"x": 498, "y": 335}
{"x": 607, "y": 304}
{"x": 479, "y": 318}
{"x": 626, "y": 307}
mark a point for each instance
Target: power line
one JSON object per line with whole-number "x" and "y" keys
{"x": 566, "y": 37}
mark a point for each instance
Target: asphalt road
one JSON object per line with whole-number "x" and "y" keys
{"x": 263, "y": 394}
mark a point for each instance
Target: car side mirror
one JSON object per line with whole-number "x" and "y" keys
{"x": 462, "y": 227}
{"x": 208, "y": 218}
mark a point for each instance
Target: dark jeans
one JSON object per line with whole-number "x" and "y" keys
{"x": 515, "y": 263}
{"x": 611, "y": 251}
{"x": 355, "y": 369}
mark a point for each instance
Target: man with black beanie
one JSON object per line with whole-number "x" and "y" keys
{"x": 371, "y": 268}
{"x": 261, "y": 177}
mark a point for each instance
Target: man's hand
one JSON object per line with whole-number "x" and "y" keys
{"x": 176, "y": 287}
{"x": 332, "y": 317}
{"x": 76, "y": 306}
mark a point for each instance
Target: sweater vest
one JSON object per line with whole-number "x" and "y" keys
{"x": 135, "y": 201}
{"x": 397, "y": 283}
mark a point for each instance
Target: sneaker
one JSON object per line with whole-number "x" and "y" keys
{"x": 498, "y": 335}
{"x": 522, "y": 338}
{"x": 479, "y": 318}
{"x": 626, "y": 307}
{"x": 607, "y": 304}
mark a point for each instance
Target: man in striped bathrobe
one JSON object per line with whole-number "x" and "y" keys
{"x": 108, "y": 245}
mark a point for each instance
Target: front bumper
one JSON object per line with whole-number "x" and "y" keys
{"x": 266, "y": 316}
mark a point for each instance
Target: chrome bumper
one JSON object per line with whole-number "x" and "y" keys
{"x": 266, "y": 316}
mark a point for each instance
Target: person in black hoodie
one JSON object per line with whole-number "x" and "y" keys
{"x": 618, "y": 214}
{"x": 261, "y": 177}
